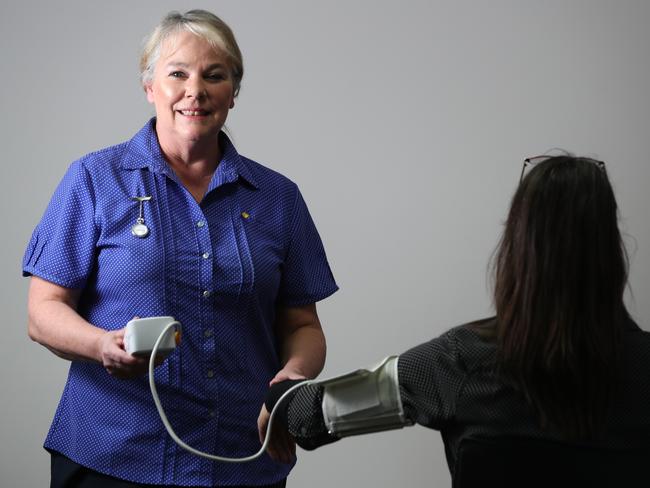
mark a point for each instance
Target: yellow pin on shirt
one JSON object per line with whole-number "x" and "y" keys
{"x": 245, "y": 215}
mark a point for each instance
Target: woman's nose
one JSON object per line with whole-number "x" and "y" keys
{"x": 195, "y": 88}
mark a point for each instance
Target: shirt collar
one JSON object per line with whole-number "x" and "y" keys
{"x": 143, "y": 151}
{"x": 232, "y": 166}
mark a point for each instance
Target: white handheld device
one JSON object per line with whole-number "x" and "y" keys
{"x": 141, "y": 335}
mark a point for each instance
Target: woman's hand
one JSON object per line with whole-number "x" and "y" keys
{"x": 53, "y": 321}
{"x": 282, "y": 447}
{"x": 116, "y": 360}
{"x": 287, "y": 373}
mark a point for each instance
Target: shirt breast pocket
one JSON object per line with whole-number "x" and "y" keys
{"x": 252, "y": 263}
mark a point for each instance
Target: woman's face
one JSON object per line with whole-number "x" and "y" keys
{"x": 191, "y": 90}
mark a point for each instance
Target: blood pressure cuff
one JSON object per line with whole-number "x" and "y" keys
{"x": 364, "y": 401}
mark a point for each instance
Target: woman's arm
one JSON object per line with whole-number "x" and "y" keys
{"x": 54, "y": 323}
{"x": 302, "y": 343}
{"x": 302, "y": 354}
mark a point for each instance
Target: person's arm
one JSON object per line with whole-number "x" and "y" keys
{"x": 429, "y": 379}
{"x": 302, "y": 354}
{"x": 54, "y": 323}
{"x": 302, "y": 343}
{"x": 300, "y": 414}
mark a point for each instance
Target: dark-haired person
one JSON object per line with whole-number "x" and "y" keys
{"x": 175, "y": 222}
{"x": 561, "y": 360}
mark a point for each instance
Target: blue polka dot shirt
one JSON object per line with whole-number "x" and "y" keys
{"x": 220, "y": 267}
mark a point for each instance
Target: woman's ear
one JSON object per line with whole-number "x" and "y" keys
{"x": 148, "y": 89}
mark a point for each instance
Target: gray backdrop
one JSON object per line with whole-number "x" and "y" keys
{"x": 404, "y": 123}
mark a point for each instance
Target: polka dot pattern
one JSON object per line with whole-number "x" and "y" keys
{"x": 449, "y": 384}
{"x": 221, "y": 267}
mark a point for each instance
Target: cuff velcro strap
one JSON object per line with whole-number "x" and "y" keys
{"x": 274, "y": 394}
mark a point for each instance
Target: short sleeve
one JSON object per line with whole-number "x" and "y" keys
{"x": 306, "y": 275}
{"x": 431, "y": 377}
{"x": 62, "y": 247}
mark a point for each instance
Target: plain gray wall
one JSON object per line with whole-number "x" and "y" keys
{"x": 404, "y": 123}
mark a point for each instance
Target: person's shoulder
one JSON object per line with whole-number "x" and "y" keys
{"x": 129, "y": 154}
{"x": 482, "y": 330}
{"x": 632, "y": 327}
{"x": 635, "y": 337}
{"x": 101, "y": 159}
{"x": 485, "y": 329}
{"x": 462, "y": 349}
{"x": 93, "y": 167}
{"x": 266, "y": 176}
{"x": 474, "y": 342}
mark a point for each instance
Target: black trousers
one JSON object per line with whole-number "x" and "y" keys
{"x": 65, "y": 473}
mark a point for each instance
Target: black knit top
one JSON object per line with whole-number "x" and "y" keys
{"x": 450, "y": 384}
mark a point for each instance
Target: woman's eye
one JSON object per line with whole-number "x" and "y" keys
{"x": 216, "y": 76}
{"x": 176, "y": 74}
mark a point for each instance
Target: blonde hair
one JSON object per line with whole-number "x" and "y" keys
{"x": 200, "y": 23}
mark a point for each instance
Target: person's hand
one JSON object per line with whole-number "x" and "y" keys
{"x": 282, "y": 447}
{"x": 287, "y": 374}
{"x": 117, "y": 361}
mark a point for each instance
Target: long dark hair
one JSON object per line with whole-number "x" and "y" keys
{"x": 560, "y": 275}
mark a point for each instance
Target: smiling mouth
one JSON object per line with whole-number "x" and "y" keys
{"x": 194, "y": 113}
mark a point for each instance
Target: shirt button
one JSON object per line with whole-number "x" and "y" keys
{"x": 200, "y": 223}
{"x": 207, "y": 333}
{"x": 212, "y": 413}
{"x": 206, "y": 293}
{"x": 210, "y": 373}
{"x": 205, "y": 255}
